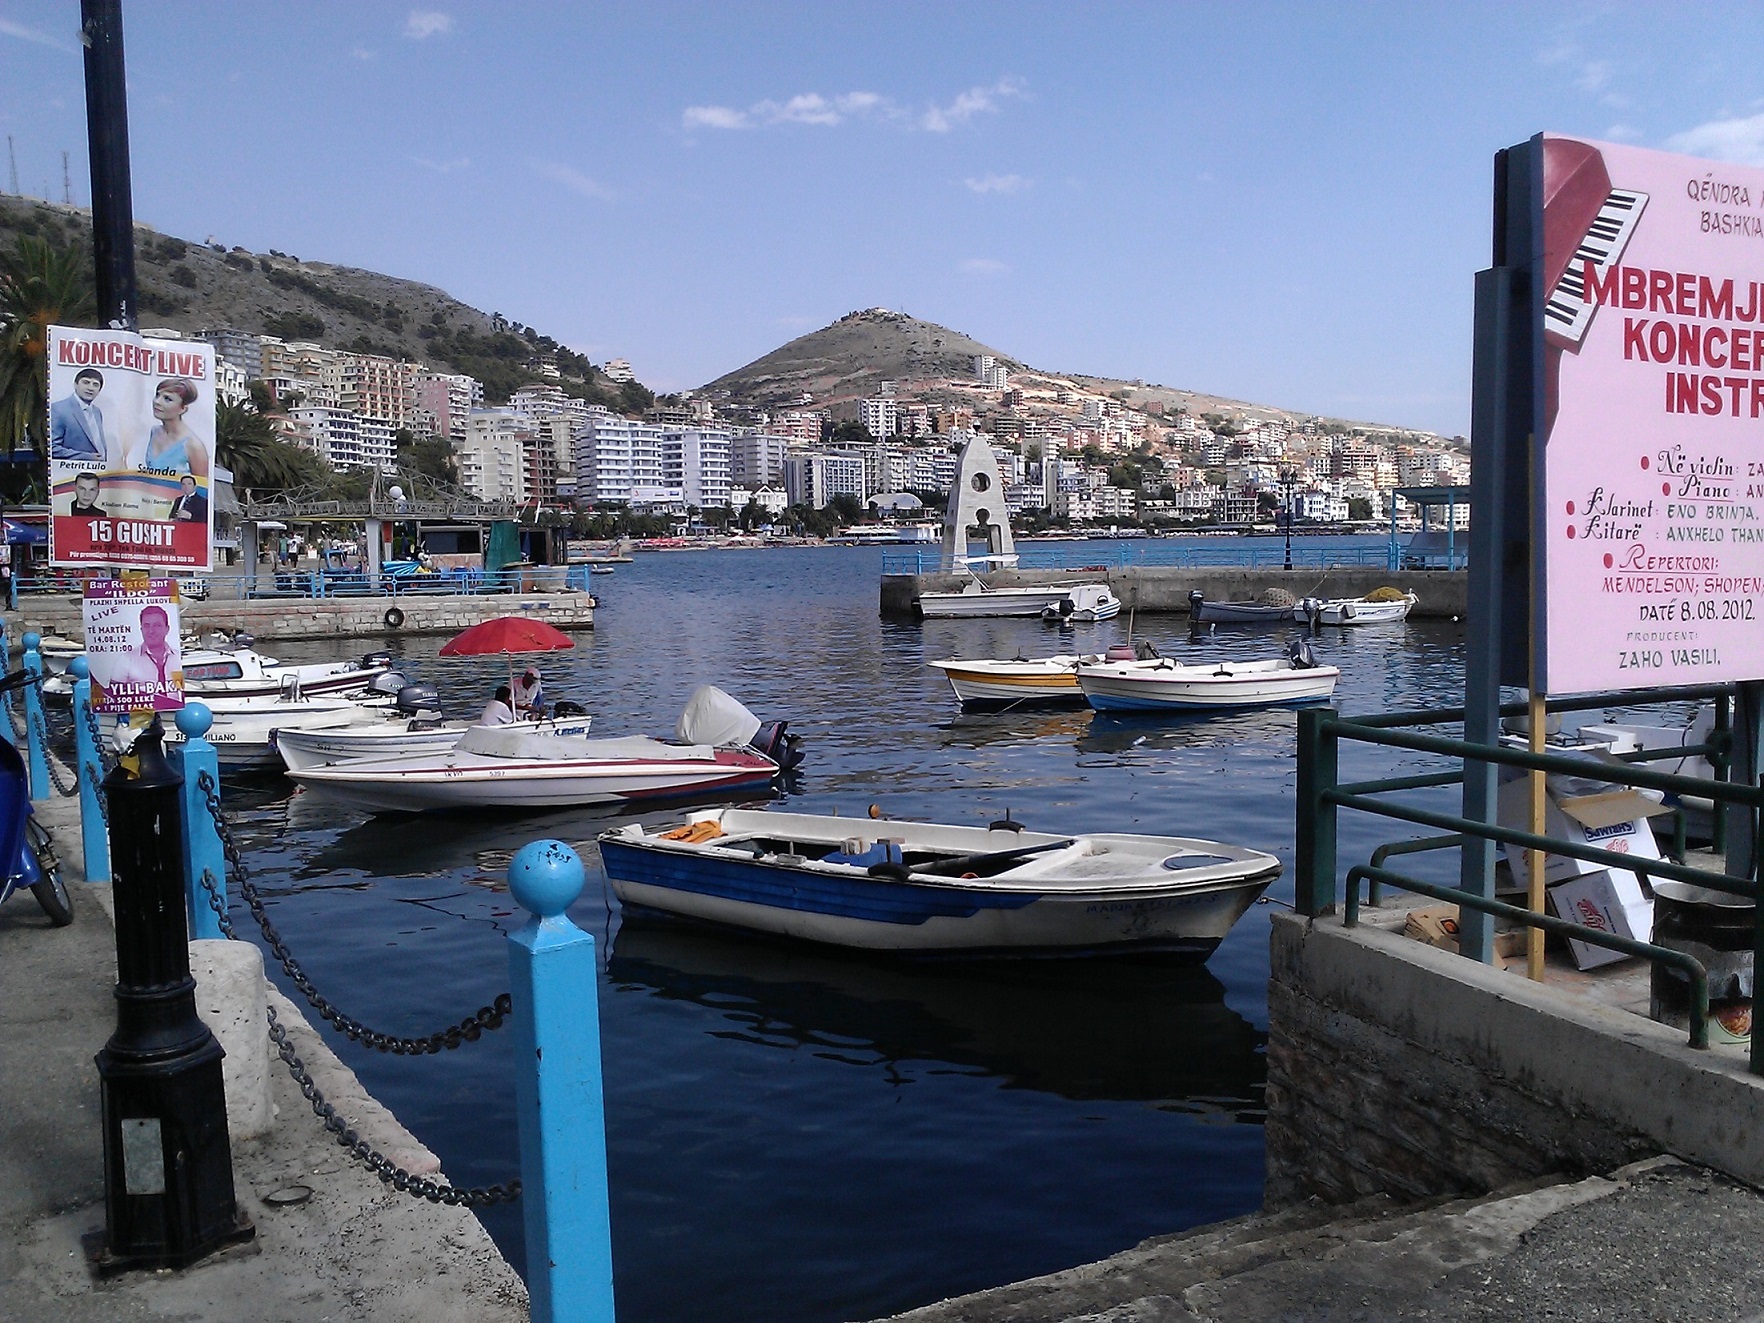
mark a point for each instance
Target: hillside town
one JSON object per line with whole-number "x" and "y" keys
{"x": 1072, "y": 451}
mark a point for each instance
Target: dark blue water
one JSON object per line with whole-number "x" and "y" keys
{"x": 808, "y": 1135}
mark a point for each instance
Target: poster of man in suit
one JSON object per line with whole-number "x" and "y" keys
{"x": 133, "y": 419}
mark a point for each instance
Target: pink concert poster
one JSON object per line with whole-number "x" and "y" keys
{"x": 1653, "y": 418}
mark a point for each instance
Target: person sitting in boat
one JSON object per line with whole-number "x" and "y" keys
{"x": 499, "y": 711}
{"x": 529, "y": 695}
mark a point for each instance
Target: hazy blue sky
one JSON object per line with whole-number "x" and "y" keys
{"x": 1280, "y": 202}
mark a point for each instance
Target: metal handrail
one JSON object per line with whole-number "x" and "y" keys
{"x": 1500, "y": 909}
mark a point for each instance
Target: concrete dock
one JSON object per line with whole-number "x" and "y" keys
{"x": 350, "y": 1248}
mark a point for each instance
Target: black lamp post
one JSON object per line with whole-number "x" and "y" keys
{"x": 1286, "y": 510}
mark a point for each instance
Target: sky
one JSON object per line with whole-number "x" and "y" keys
{"x": 1280, "y": 203}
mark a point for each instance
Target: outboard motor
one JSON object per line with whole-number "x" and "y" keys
{"x": 375, "y": 659}
{"x": 1145, "y": 650}
{"x": 782, "y": 748}
{"x": 418, "y": 698}
{"x": 243, "y": 638}
{"x": 387, "y": 685}
{"x": 565, "y": 707}
{"x": 1195, "y": 598}
{"x": 1303, "y": 658}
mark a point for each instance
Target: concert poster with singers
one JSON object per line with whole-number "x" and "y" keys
{"x": 1652, "y": 415}
{"x": 131, "y": 451}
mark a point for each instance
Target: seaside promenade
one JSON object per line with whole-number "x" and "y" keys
{"x": 332, "y": 1242}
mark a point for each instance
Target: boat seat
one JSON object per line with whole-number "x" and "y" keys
{"x": 516, "y": 742}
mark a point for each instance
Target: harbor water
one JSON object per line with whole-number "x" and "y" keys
{"x": 815, "y": 1135}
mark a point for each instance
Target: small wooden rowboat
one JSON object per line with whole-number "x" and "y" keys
{"x": 930, "y": 888}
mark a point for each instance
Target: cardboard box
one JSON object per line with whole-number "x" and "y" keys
{"x": 1628, "y": 834}
{"x": 1610, "y": 900}
{"x": 1437, "y": 925}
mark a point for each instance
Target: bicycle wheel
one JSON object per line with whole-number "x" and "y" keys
{"x": 51, "y": 893}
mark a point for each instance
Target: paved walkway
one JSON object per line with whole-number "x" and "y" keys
{"x": 354, "y": 1250}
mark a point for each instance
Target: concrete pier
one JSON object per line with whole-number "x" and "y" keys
{"x": 332, "y": 1241}
{"x": 328, "y": 617}
{"x": 1158, "y": 588}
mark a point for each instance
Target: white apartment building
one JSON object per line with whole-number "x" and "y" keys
{"x": 618, "y": 459}
{"x": 814, "y": 480}
{"x": 298, "y": 367}
{"x": 240, "y": 348}
{"x": 879, "y": 416}
{"x": 444, "y": 401}
{"x": 998, "y": 377}
{"x": 229, "y": 382}
{"x": 756, "y": 459}
{"x": 619, "y": 370}
{"x": 1050, "y": 472}
{"x": 345, "y": 440}
{"x": 697, "y": 462}
{"x": 1097, "y": 502}
{"x": 492, "y": 463}
{"x": 983, "y": 364}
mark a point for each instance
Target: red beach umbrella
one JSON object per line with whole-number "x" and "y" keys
{"x": 507, "y": 635}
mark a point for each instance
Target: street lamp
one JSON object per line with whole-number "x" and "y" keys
{"x": 1286, "y": 477}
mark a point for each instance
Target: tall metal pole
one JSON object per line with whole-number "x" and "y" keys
{"x": 107, "y": 134}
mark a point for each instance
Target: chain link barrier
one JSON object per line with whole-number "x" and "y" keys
{"x": 477, "y": 1196}
{"x": 63, "y": 787}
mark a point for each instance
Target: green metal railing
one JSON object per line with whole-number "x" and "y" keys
{"x": 1322, "y": 795}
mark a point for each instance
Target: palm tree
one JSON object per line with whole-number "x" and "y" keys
{"x": 42, "y": 284}
{"x": 245, "y": 441}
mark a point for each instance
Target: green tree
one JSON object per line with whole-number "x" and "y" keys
{"x": 425, "y": 456}
{"x": 43, "y": 283}
{"x": 852, "y": 433}
{"x": 1359, "y": 508}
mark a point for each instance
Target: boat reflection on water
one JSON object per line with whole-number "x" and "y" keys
{"x": 1027, "y": 725}
{"x": 1120, "y": 1030}
{"x": 1108, "y": 732}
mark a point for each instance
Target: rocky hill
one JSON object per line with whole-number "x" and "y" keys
{"x": 841, "y": 364}
{"x": 188, "y": 286}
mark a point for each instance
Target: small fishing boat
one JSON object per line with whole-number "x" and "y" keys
{"x": 1083, "y": 604}
{"x": 886, "y": 885}
{"x": 245, "y": 731}
{"x": 1164, "y": 685}
{"x": 397, "y": 735}
{"x": 719, "y": 746}
{"x": 976, "y": 597}
{"x": 1369, "y": 610}
{"x": 1028, "y": 680}
{"x": 601, "y": 569}
{"x": 245, "y": 673}
{"x": 1201, "y": 611}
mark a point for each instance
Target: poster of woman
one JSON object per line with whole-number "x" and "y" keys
{"x": 131, "y": 451}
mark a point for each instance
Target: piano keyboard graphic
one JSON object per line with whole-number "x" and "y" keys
{"x": 1567, "y": 315}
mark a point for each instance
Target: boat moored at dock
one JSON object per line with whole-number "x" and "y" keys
{"x": 929, "y": 888}
{"x": 1164, "y": 685}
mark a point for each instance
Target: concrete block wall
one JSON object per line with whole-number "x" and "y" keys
{"x": 1400, "y": 1069}
{"x": 1166, "y": 588}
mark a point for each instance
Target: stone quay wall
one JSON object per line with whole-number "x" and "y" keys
{"x": 1396, "y": 1068}
{"x": 327, "y": 617}
{"x": 1158, "y": 588}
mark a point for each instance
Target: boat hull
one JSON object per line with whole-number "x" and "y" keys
{"x": 1241, "y": 613}
{"x": 1361, "y": 612}
{"x": 302, "y": 749}
{"x": 1047, "y": 681}
{"x": 992, "y": 602}
{"x": 810, "y": 900}
{"x": 1141, "y": 687}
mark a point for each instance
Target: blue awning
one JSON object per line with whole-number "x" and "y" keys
{"x": 31, "y": 533}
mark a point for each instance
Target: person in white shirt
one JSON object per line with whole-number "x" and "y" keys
{"x": 529, "y": 695}
{"x": 498, "y": 711}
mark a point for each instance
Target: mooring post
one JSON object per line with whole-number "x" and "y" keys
{"x": 36, "y": 756}
{"x": 196, "y": 759}
{"x": 1314, "y": 859}
{"x": 89, "y": 768}
{"x": 168, "y": 1168}
{"x": 558, "y": 1094}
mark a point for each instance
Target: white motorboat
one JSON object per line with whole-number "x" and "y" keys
{"x": 245, "y": 730}
{"x": 719, "y": 746}
{"x": 246, "y": 674}
{"x": 976, "y": 597}
{"x": 1164, "y": 685}
{"x": 401, "y": 735}
{"x": 925, "y": 887}
{"x": 1083, "y": 604}
{"x": 1355, "y": 610}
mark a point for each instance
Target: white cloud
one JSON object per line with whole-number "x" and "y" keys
{"x": 975, "y": 101}
{"x": 574, "y": 180}
{"x": 8, "y": 28}
{"x": 998, "y": 184}
{"x": 803, "y": 108}
{"x": 1738, "y": 140}
{"x": 983, "y": 266}
{"x": 360, "y": 53}
{"x": 442, "y": 167}
{"x": 714, "y": 117}
{"x": 424, "y": 23}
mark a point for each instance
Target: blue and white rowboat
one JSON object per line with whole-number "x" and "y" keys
{"x": 928, "y": 888}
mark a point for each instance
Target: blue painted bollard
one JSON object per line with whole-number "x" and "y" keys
{"x": 36, "y": 756}
{"x": 558, "y": 1099}
{"x": 89, "y": 771}
{"x": 202, "y": 843}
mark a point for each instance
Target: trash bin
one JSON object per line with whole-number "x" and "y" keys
{"x": 1716, "y": 929}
